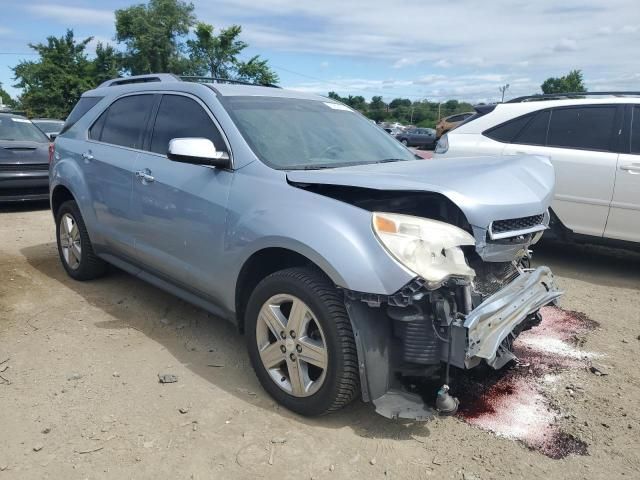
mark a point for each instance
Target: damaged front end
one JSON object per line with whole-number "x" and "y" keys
{"x": 472, "y": 296}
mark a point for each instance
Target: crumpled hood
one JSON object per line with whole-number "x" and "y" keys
{"x": 484, "y": 188}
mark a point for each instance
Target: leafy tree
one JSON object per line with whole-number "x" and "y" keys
{"x": 400, "y": 102}
{"x": 6, "y": 98}
{"x": 106, "y": 65}
{"x": 335, "y": 96}
{"x": 217, "y": 55}
{"x": 52, "y": 84}
{"x": 570, "y": 83}
{"x": 151, "y": 34}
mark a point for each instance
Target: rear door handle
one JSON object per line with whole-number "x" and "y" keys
{"x": 145, "y": 176}
{"x": 87, "y": 156}
{"x": 633, "y": 169}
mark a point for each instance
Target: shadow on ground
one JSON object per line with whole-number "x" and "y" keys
{"x": 24, "y": 206}
{"x": 208, "y": 346}
{"x": 595, "y": 264}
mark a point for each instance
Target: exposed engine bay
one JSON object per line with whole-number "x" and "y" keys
{"x": 471, "y": 317}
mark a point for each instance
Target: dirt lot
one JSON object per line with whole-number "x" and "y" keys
{"x": 80, "y": 397}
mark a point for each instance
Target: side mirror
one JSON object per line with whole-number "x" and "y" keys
{"x": 197, "y": 151}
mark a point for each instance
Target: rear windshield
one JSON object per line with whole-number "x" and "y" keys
{"x": 83, "y": 106}
{"x": 300, "y": 134}
{"x": 20, "y": 130}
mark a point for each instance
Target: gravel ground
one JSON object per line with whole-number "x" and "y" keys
{"x": 80, "y": 397}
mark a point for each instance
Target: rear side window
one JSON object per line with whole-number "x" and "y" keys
{"x": 179, "y": 117}
{"x": 83, "y": 106}
{"x": 124, "y": 121}
{"x": 535, "y": 132}
{"x": 506, "y": 132}
{"x": 635, "y": 130}
{"x": 586, "y": 128}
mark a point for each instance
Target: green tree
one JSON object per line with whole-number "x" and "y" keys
{"x": 217, "y": 55}
{"x": 400, "y": 102}
{"x": 6, "y": 98}
{"x": 151, "y": 34}
{"x": 570, "y": 83}
{"x": 106, "y": 65}
{"x": 52, "y": 84}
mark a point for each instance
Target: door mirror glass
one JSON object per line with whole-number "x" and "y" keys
{"x": 198, "y": 151}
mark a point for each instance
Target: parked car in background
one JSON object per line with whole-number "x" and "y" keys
{"x": 594, "y": 144}
{"x": 449, "y": 123}
{"x": 24, "y": 160}
{"x": 50, "y": 127}
{"x": 351, "y": 266}
{"x": 418, "y": 137}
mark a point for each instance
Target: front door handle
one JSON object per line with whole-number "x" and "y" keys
{"x": 633, "y": 169}
{"x": 87, "y": 156}
{"x": 145, "y": 176}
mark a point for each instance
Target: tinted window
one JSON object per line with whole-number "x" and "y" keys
{"x": 20, "y": 129}
{"x": 178, "y": 117}
{"x": 507, "y": 131}
{"x": 535, "y": 133}
{"x": 83, "y": 106}
{"x": 585, "y": 127}
{"x": 96, "y": 129}
{"x": 126, "y": 120}
{"x": 455, "y": 118}
{"x": 635, "y": 131}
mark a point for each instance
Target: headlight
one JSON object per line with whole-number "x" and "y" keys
{"x": 443, "y": 144}
{"x": 426, "y": 247}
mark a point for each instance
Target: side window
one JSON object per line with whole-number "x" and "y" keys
{"x": 455, "y": 118}
{"x": 507, "y": 131}
{"x": 83, "y": 106}
{"x": 535, "y": 133}
{"x": 180, "y": 116}
{"x": 586, "y": 128}
{"x": 96, "y": 129}
{"x": 125, "y": 121}
{"x": 635, "y": 131}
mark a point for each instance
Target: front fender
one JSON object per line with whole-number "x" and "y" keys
{"x": 336, "y": 236}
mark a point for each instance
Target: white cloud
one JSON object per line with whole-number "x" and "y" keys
{"x": 443, "y": 63}
{"x": 630, "y": 29}
{"x": 324, "y": 64}
{"x": 566, "y": 45}
{"x": 73, "y": 15}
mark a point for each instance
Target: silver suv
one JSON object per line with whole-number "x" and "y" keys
{"x": 350, "y": 265}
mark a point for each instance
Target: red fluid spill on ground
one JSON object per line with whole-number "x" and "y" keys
{"x": 511, "y": 402}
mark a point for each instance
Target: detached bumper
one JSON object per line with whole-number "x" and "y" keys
{"x": 494, "y": 320}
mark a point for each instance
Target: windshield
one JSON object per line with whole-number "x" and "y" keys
{"x": 49, "y": 125}
{"x": 20, "y": 130}
{"x": 294, "y": 134}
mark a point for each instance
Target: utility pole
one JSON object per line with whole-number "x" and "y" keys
{"x": 502, "y": 90}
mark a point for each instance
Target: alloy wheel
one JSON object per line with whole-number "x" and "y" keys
{"x": 70, "y": 241}
{"x": 292, "y": 345}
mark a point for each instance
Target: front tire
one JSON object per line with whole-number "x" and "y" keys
{"x": 74, "y": 246}
{"x": 300, "y": 342}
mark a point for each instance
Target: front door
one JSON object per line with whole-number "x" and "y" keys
{"x": 181, "y": 208}
{"x": 624, "y": 218}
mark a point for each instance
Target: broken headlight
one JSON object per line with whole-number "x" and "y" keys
{"x": 428, "y": 248}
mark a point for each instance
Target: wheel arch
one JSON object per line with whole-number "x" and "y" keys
{"x": 261, "y": 264}
{"x": 60, "y": 195}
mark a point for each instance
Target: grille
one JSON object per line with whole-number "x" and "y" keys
{"x": 26, "y": 167}
{"x": 514, "y": 224}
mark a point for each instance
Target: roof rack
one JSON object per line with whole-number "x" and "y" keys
{"x": 561, "y": 96}
{"x": 197, "y": 79}
{"x": 170, "y": 77}
{"x": 155, "y": 77}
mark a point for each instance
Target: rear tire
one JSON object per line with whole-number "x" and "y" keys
{"x": 405, "y": 142}
{"x": 329, "y": 389}
{"x": 74, "y": 246}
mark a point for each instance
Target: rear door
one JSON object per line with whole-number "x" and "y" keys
{"x": 115, "y": 139}
{"x": 581, "y": 143}
{"x": 180, "y": 208}
{"x": 624, "y": 218}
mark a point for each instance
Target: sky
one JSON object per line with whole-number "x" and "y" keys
{"x": 417, "y": 49}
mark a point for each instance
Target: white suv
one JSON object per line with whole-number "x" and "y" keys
{"x": 593, "y": 143}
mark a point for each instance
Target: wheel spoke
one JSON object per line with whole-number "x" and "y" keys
{"x": 68, "y": 224}
{"x": 272, "y": 316}
{"x": 313, "y": 352}
{"x": 77, "y": 252}
{"x": 271, "y": 355}
{"x": 74, "y": 232}
{"x": 297, "y": 317}
{"x": 296, "y": 378}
